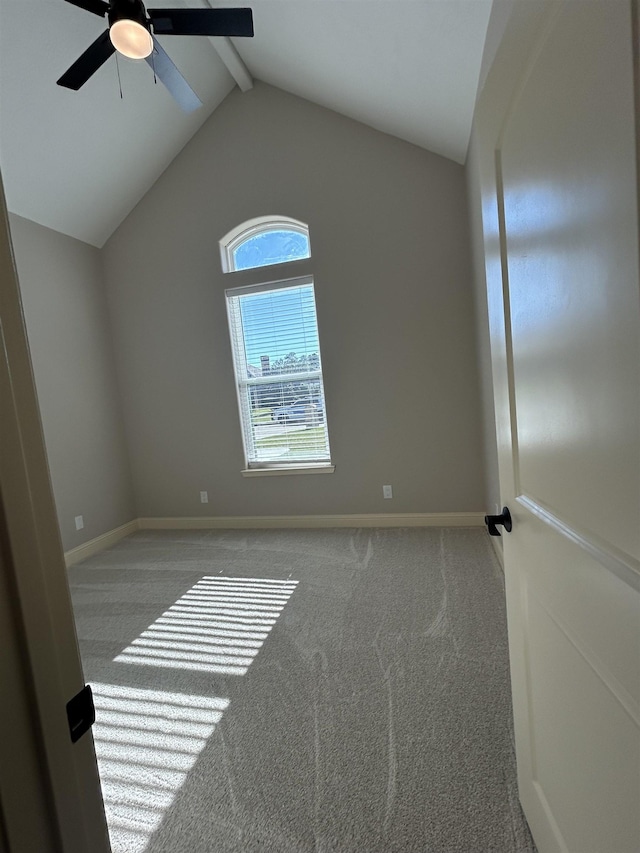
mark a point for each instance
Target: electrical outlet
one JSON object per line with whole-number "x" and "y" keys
{"x": 204, "y": 497}
{"x": 79, "y": 522}
{"x": 387, "y": 492}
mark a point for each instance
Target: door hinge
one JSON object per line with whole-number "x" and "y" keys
{"x": 81, "y": 713}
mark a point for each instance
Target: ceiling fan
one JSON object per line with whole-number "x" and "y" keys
{"x": 132, "y": 30}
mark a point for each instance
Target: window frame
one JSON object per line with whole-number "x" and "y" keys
{"x": 228, "y": 245}
{"x": 252, "y": 228}
{"x": 254, "y": 468}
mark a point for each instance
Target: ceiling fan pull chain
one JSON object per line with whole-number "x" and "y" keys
{"x": 119, "y": 80}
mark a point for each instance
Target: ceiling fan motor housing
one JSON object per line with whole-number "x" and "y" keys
{"x": 129, "y": 10}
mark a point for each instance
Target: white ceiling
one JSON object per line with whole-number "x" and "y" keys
{"x": 78, "y": 162}
{"x": 406, "y": 67}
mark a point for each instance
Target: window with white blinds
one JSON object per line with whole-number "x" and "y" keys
{"x": 278, "y": 369}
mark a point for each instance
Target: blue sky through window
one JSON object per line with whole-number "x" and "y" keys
{"x": 278, "y": 323}
{"x": 271, "y": 247}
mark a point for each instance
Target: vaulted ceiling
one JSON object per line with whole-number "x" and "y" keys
{"x": 78, "y": 162}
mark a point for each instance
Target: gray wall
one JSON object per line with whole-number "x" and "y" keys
{"x": 389, "y": 232}
{"x": 67, "y": 323}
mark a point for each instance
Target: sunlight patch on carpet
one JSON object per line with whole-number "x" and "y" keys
{"x": 146, "y": 742}
{"x": 217, "y": 626}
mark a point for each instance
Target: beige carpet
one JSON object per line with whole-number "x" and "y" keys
{"x": 299, "y": 691}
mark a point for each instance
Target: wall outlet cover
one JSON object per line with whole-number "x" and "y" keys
{"x": 387, "y": 492}
{"x": 204, "y": 497}
{"x": 79, "y": 522}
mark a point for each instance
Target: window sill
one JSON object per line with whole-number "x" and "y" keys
{"x": 290, "y": 469}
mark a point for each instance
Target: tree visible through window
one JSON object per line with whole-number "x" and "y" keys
{"x": 276, "y": 355}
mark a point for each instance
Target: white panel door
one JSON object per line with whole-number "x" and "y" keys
{"x": 567, "y": 196}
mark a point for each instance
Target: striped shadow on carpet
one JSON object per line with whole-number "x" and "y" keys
{"x": 217, "y": 626}
{"x": 147, "y": 741}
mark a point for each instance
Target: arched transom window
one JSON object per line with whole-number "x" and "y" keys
{"x": 264, "y": 241}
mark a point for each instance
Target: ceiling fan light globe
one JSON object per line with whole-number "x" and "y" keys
{"x": 131, "y": 39}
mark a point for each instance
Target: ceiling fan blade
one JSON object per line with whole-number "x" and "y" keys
{"x": 169, "y": 75}
{"x": 202, "y": 22}
{"x": 98, "y": 7}
{"x": 93, "y": 57}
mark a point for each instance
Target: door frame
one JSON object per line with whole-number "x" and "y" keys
{"x": 49, "y": 787}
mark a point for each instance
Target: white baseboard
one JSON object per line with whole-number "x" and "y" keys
{"x": 93, "y": 546}
{"x": 415, "y": 519}
{"x": 258, "y": 522}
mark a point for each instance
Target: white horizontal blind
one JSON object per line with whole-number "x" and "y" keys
{"x": 276, "y": 356}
